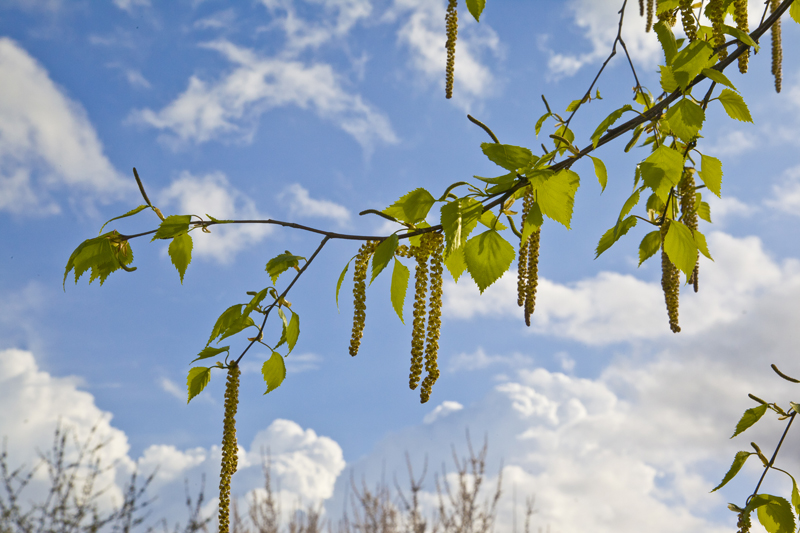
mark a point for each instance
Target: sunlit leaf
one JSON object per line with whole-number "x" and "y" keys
{"x": 476, "y": 8}
{"x": 717, "y": 76}
{"x": 490, "y": 220}
{"x": 690, "y": 61}
{"x": 734, "y": 105}
{"x": 686, "y": 119}
{"x": 459, "y": 218}
{"x": 488, "y": 257}
{"x": 794, "y": 11}
{"x": 750, "y": 417}
{"x": 776, "y": 515}
{"x": 128, "y": 214}
{"x": 607, "y": 122}
{"x": 667, "y": 40}
{"x": 743, "y": 36}
{"x": 600, "y": 171}
{"x": 456, "y": 263}
{"x": 400, "y": 275}
{"x": 339, "y": 283}
{"x": 281, "y": 263}
{"x": 274, "y": 371}
{"x": 630, "y": 203}
{"x": 541, "y": 121}
{"x": 255, "y": 301}
{"x": 555, "y": 194}
{"x": 704, "y": 211}
{"x": 208, "y": 351}
{"x": 230, "y": 322}
{"x": 412, "y": 207}
{"x": 649, "y": 246}
{"x": 667, "y": 79}
{"x": 180, "y": 252}
{"x": 383, "y": 254}
{"x": 532, "y": 222}
{"x": 197, "y": 380}
{"x": 680, "y": 247}
{"x": 738, "y": 463}
{"x": 293, "y": 331}
{"x": 508, "y": 156}
{"x": 613, "y": 235}
{"x": 662, "y": 170}
{"x": 700, "y": 241}
{"x": 711, "y": 174}
{"x": 172, "y": 225}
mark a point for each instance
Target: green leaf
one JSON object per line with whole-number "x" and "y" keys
{"x": 704, "y": 211}
{"x": 667, "y": 40}
{"x": 649, "y": 246}
{"x": 293, "y": 331}
{"x": 750, "y": 417}
{"x": 690, "y": 61}
{"x": 711, "y": 174}
{"x": 613, "y": 235}
{"x": 508, "y": 156}
{"x": 794, "y": 11}
{"x": 400, "y": 275}
{"x": 413, "y": 207}
{"x": 668, "y": 82}
{"x": 281, "y": 263}
{"x": 776, "y": 516}
{"x": 532, "y": 222}
{"x": 211, "y": 352}
{"x": 257, "y": 299}
{"x": 505, "y": 179}
{"x": 459, "y": 218}
{"x": 489, "y": 220}
{"x": 197, "y": 380}
{"x": 743, "y": 36}
{"x": 574, "y": 105}
{"x": 734, "y": 105}
{"x": 795, "y": 494}
{"x": 795, "y": 406}
{"x": 230, "y": 322}
{"x": 180, "y": 252}
{"x": 738, "y": 463}
{"x": 488, "y": 257}
{"x": 680, "y": 247}
{"x": 565, "y": 133}
{"x": 717, "y": 76}
{"x": 274, "y": 371}
{"x": 456, "y": 263}
{"x": 541, "y": 121}
{"x": 128, "y": 214}
{"x": 382, "y": 255}
{"x": 600, "y": 170}
{"x": 476, "y": 8}
{"x": 607, "y": 122}
{"x": 171, "y": 226}
{"x": 665, "y": 5}
{"x": 339, "y": 283}
{"x": 700, "y": 241}
{"x": 630, "y": 203}
{"x": 686, "y": 119}
{"x": 662, "y": 170}
{"x": 555, "y": 194}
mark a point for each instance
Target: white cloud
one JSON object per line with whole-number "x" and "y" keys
{"x": 212, "y": 194}
{"x": 479, "y": 359}
{"x": 172, "y": 388}
{"x": 130, "y": 5}
{"x": 423, "y": 34}
{"x": 302, "y": 205}
{"x": 441, "y": 411}
{"x": 220, "y": 20}
{"x": 722, "y": 209}
{"x": 230, "y": 107}
{"x": 47, "y": 143}
{"x": 786, "y": 195}
{"x": 733, "y": 143}
{"x": 612, "y": 307}
{"x": 599, "y": 20}
{"x": 302, "y": 362}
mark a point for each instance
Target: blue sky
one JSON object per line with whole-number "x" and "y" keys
{"x": 311, "y": 111}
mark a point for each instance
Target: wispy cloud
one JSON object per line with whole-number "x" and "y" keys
{"x": 786, "y": 194}
{"x": 130, "y": 5}
{"x": 301, "y": 204}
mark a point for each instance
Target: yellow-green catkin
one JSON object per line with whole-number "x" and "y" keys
{"x": 670, "y": 282}
{"x": 522, "y": 259}
{"x": 229, "y": 447}
{"x": 686, "y": 191}
{"x": 777, "y": 51}
{"x": 716, "y": 14}
{"x": 420, "y": 254}
{"x": 687, "y": 18}
{"x": 533, "y": 275}
{"x": 360, "y": 294}
{"x": 740, "y": 17}
{"x": 451, "y": 21}
{"x": 744, "y": 522}
{"x": 650, "y": 10}
{"x": 434, "y": 316}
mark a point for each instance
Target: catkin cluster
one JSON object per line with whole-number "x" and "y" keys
{"x": 430, "y": 248}
{"x": 451, "y": 21}
{"x": 528, "y": 264}
{"x": 687, "y": 18}
{"x": 650, "y": 9}
{"x": 669, "y": 16}
{"x": 716, "y": 13}
{"x": 744, "y": 522}
{"x": 777, "y": 51}
{"x": 740, "y": 17}
{"x": 670, "y": 282}
{"x": 686, "y": 191}
{"x": 360, "y": 294}
{"x": 229, "y": 447}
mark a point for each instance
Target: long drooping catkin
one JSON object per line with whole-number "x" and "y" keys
{"x": 451, "y": 21}
{"x": 420, "y": 254}
{"x": 670, "y": 282}
{"x": 716, "y": 13}
{"x": 650, "y": 9}
{"x": 522, "y": 259}
{"x": 740, "y": 17}
{"x": 533, "y": 275}
{"x": 229, "y": 447}
{"x": 434, "y": 317}
{"x": 687, "y": 18}
{"x": 686, "y": 191}
{"x": 777, "y": 50}
{"x": 360, "y": 294}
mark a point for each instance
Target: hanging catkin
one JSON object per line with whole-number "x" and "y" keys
{"x": 434, "y": 316}
{"x": 777, "y": 51}
{"x": 740, "y": 17}
{"x": 687, "y": 18}
{"x": 451, "y": 22}
{"x": 670, "y": 282}
{"x": 420, "y": 254}
{"x": 360, "y": 294}
{"x": 528, "y": 263}
{"x": 229, "y": 447}
{"x": 716, "y": 13}
{"x": 650, "y": 9}
{"x": 686, "y": 191}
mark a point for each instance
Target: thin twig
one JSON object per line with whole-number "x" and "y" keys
{"x": 484, "y": 126}
{"x": 771, "y": 461}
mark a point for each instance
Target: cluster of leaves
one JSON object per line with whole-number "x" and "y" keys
{"x": 775, "y": 513}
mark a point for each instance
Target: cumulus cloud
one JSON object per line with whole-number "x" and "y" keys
{"x": 612, "y": 307}
{"x": 728, "y": 207}
{"x": 48, "y": 146}
{"x": 442, "y": 410}
{"x": 212, "y": 194}
{"x": 786, "y": 194}
{"x": 422, "y": 35}
{"x": 733, "y": 143}
{"x": 301, "y": 204}
{"x": 230, "y": 107}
